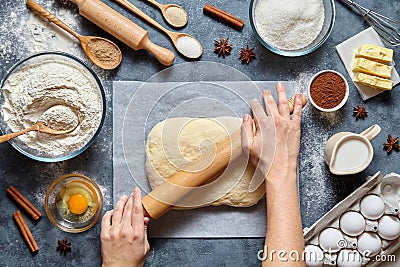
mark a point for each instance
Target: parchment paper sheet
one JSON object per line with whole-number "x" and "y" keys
{"x": 209, "y": 222}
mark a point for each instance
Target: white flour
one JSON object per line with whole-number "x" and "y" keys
{"x": 47, "y": 36}
{"x": 62, "y": 93}
{"x": 289, "y": 24}
{"x": 60, "y": 118}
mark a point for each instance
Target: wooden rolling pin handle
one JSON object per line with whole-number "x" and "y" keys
{"x": 291, "y": 102}
{"x": 145, "y": 213}
{"x": 48, "y": 15}
{"x": 163, "y": 55}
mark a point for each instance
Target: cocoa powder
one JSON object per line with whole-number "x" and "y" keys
{"x": 328, "y": 90}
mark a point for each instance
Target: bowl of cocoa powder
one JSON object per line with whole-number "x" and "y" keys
{"x": 328, "y": 90}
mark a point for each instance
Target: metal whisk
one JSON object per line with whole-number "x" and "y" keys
{"x": 387, "y": 28}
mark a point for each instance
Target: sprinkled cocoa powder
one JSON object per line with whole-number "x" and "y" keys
{"x": 328, "y": 90}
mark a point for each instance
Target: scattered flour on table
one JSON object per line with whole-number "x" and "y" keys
{"x": 26, "y": 33}
{"x": 316, "y": 130}
{"x": 289, "y": 24}
{"x": 61, "y": 89}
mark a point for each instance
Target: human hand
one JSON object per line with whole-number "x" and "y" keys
{"x": 124, "y": 233}
{"x": 287, "y": 133}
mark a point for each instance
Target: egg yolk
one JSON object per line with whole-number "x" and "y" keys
{"x": 77, "y": 203}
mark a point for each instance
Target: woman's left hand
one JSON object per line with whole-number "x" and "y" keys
{"x": 124, "y": 233}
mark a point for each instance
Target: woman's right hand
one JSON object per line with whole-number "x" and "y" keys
{"x": 287, "y": 133}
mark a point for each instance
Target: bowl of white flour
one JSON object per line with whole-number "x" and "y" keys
{"x": 292, "y": 27}
{"x": 59, "y": 90}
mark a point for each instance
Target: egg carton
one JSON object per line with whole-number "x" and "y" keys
{"x": 341, "y": 244}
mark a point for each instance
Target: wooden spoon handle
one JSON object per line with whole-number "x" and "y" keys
{"x": 6, "y": 137}
{"x": 131, "y": 7}
{"x": 160, "y": 6}
{"x": 48, "y": 15}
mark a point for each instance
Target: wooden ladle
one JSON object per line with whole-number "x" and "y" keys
{"x": 38, "y": 126}
{"x": 177, "y": 17}
{"x": 193, "y": 51}
{"x": 106, "y": 55}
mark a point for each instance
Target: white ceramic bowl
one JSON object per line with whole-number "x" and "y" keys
{"x": 341, "y": 104}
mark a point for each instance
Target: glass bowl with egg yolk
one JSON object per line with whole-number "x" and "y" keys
{"x": 74, "y": 203}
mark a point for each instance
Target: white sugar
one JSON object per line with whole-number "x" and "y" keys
{"x": 289, "y": 24}
{"x": 189, "y": 47}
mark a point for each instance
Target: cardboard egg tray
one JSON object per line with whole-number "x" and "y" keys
{"x": 352, "y": 203}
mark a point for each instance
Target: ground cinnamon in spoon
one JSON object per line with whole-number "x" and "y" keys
{"x": 328, "y": 90}
{"x": 104, "y": 51}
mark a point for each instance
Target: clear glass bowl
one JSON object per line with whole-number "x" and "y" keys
{"x": 21, "y": 146}
{"x": 329, "y": 10}
{"x": 57, "y": 209}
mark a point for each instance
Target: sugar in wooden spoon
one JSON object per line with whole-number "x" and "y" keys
{"x": 186, "y": 44}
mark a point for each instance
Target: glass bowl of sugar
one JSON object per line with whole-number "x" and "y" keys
{"x": 59, "y": 90}
{"x": 292, "y": 28}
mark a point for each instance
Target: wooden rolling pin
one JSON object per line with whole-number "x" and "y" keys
{"x": 291, "y": 102}
{"x": 161, "y": 199}
{"x": 122, "y": 28}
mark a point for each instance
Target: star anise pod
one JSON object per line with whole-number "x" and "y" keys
{"x": 392, "y": 143}
{"x": 360, "y": 112}
{"x": 223, "y": 48}
{"x": 247, "y": 55}
{"x": 64, "y": 246}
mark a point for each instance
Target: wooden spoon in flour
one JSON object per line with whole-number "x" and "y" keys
{"x": 38, "y": 126}
{"x": 55, "y": 120}
{"x": 100, "y": 51}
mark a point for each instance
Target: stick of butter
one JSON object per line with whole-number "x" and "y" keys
{"x": 373, "y": 81}
{"x": 375, "y": 53}
{"x": 371, "y": 67}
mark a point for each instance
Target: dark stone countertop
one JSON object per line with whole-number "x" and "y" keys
{"x": 319, "y": 190}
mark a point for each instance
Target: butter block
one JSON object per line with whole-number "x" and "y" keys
{"x": 375, "y": 53}
{"x": 371, "y": 67}
{"x": 373, "y": 81}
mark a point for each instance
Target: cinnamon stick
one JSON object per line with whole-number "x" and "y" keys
{"x": 224, "y": 16}
{"x": 25, "y": 204}
{"x": 26, "y": 233}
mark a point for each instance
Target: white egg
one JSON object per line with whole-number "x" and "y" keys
{"x": 352, "y": 223}
{"x": 369, "y": 244}
{"x": 349, "y": 258}
{"x": 314, "y": 256}
{"x": 372, "y": 207}
{"x": 330, "y": 240}
{"x": 389, "y": 227}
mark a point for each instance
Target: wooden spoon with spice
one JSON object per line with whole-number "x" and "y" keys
{"x": 100, "y": 51}
{"x": 173, "y": 14}
{"x": 186, "y": 44}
